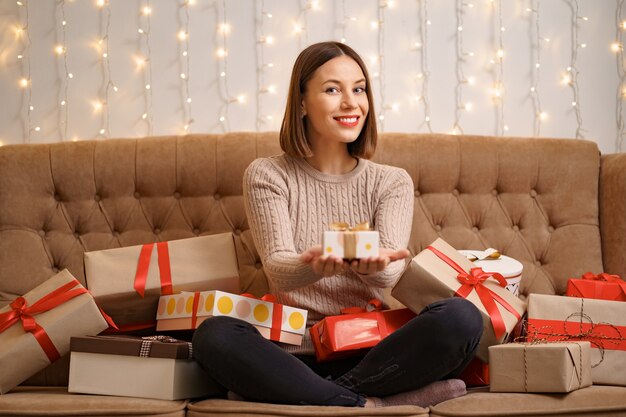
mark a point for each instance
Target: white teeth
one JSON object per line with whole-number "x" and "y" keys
{"x": 347, "y": 119}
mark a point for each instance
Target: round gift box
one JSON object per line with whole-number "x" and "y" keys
{"x": 511, "y": 269}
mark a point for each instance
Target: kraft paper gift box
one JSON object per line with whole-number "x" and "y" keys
{"x": 345, "y": 335}
{"x": 441, "y": 272}
{"x": 603, "y": 323}
{"x": 544, "y": 367}
{"x": 127, "y": 282}
{"x": 601, "y": 287}
{"x": 185, "y": 311}
{"x": 492, "y": 261}
{"x": 152, "y": 367}
{"x": 346, "y": 242}
{"x": 52, "y": 312}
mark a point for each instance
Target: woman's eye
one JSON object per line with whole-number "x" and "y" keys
{"x": 359, "y": 90}
{"x": 332, "y": 90}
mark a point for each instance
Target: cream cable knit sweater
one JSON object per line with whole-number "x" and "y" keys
{"x": 289, "y": 204}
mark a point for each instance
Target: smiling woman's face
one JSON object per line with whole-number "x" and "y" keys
{"x": 335, "y": 102}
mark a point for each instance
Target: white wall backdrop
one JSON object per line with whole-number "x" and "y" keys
{"x": 97, "y": 69}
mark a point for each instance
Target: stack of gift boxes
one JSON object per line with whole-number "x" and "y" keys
{"x": 542, "y": 344}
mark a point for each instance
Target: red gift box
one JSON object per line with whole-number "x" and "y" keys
{"x": 353, "y": 332}
{"x": 476, "y": 374}
{"x": 600, "y": 287}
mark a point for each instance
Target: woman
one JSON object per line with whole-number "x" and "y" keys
{"x": 324, "y": 176}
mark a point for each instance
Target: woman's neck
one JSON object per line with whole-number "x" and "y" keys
{"x": 335, "y": 161}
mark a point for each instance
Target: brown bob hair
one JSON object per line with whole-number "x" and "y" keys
{"x": 293, "y": 140}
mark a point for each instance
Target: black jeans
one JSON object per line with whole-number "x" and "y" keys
{"x": 435, "y": 345}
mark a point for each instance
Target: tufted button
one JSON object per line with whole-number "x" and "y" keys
{"x": 157, "y": 230}
{"x": 237, "y": 232}
{"x": 196, "y": 231}
{"x": 538, "y": 263}
{"x": 455, "y": 192}
{"x": 57, "y": 197}
{"x": 417, "y": 193}
{"x": 494, "y": 192}
{"x": 475, "y": 229}
{"x": 533, "y": 193}
{"x": 97, "y": 197}
{"x": 137, "y": 195}
{"x": 55, "y": 268}
{"x": 76, "y": 235}
{"x": 177, "y": 195}
{"x": 217, "y": 196}
{"x": 516, "y": 228}
{"x": 42, "y": 233}
{"x": 438, "y": 228}
{"x": 115, "y": 233}
{"x": 258, "y": 265}
{"x": 550, "y": 229}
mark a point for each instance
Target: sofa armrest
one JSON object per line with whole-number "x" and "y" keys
{"x": 613, "y": 212}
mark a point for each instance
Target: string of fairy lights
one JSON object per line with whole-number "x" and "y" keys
{"x": 617, "y": 47}
{"x": 268, "y": 32}
{"x": 536, "y": 48}
{"x": 144, "y": 63}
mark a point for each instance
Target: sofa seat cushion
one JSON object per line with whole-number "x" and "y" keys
{"x": 218, "y": 407}
{"x": 56, "y": 401}
{"x": 597, "y": 400}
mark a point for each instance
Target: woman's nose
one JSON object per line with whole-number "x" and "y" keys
{"x": 349, "y": 100}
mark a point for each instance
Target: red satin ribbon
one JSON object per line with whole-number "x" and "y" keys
{"x": 600, "y": 334}
{"x": 606, "y": 278}
{"x": 277, "y": 314}
{"x": 20, "y": 311}
{"x": 372, "y": 305}
{"x": 194, "y": 311}
{"x": 143, "y": 265}
{"x": 474, "y": 281}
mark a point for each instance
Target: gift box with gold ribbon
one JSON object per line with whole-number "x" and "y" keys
{"x": 35, "y": 329}
{"x": 555, "y": 318}
{"x": 127, "y": 282}
{"x": 356, "y": 330}
{"x": 602, "y": 286}
{"x": 356, "y": 242}
{"x": 544, "y": 367}
{"x": 440, "y": 272}
{"x": 159, "y": 367}
{"x": 185, "y": 311}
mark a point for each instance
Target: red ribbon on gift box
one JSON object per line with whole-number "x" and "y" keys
{"x": 143, "y": 265}
{"x": 606, "y": 278}
{"x": 21, "y": 311}
{"x": 474, "y": 281}
{"x": 277, "y": 314}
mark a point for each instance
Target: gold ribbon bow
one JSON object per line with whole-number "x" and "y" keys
{"x": 348, "y": 237}
{"x": 345, "y": 227}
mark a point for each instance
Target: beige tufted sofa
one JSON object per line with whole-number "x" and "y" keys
{"x": 556, "y": 205}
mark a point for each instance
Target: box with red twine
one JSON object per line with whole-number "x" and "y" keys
{"x": 356, "y": 330}
{"x": 603, "y": 323}
{"x": 35, "y": 329}
{"x": 602, "y": 286}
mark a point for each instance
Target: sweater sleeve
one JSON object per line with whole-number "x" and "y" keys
{"x": 266, "y": 194}
{"x": 393, "y": 219}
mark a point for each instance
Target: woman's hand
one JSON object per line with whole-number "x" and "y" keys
{"x": 374, "y": 264}
{"x": 328, "y": 265}
{"x": 324, "y": 265}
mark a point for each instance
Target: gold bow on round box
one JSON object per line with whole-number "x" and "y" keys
{"x": 350, "y": 242}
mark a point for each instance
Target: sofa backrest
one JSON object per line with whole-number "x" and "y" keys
{"x": 534, "y": 199}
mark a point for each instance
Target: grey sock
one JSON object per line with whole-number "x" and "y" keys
{"x": 431, "y": 394}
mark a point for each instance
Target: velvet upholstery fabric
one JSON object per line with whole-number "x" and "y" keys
{"x": 556, "y": 205}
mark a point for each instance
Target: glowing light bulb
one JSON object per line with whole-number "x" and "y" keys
{"x": 144, "y": 116}
{"x": 221, "y": 52}
{"x": 59, "y": 49}
{"x": 566, "y": 79}
{"x": 183, "y": 75}
{"x": 222, "y": 74}
{"x": 500, "y": 53}
{"x": 583, "y": 45}
{"x": 63, "y": 103}
{"x": 468, "y": 106}
{"x": 271, "y": 89}
{"x": 222, "y": 118}
{"x": 102, "y": 131}
{"x": 623, "y": 24}
{"x": 188, "y": 99}
{"x": 297, "y": 28}
{"x": 427, "y": 118}
{"x": 616, "y": 46}
{"x": 148, "y": 86}
{"x": 23, "y": 82}
{"x": 543, "y": 115}
{"x": 374, "y": 24}
{"x": 146, "y": 10}
{"x": 241, "y": 99}
{"x": 471, "y": 80}
{"x": 37, "y": 129}
{"x": 505, "y": 128}
{"x": 224, "y": 28}
{"x": 70, "y": 75}
{"x": 97, "y": 106}
{"x": 100, "y": 3}
{"x": 140, "y": 30}
{"x": 182, "y": 35}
